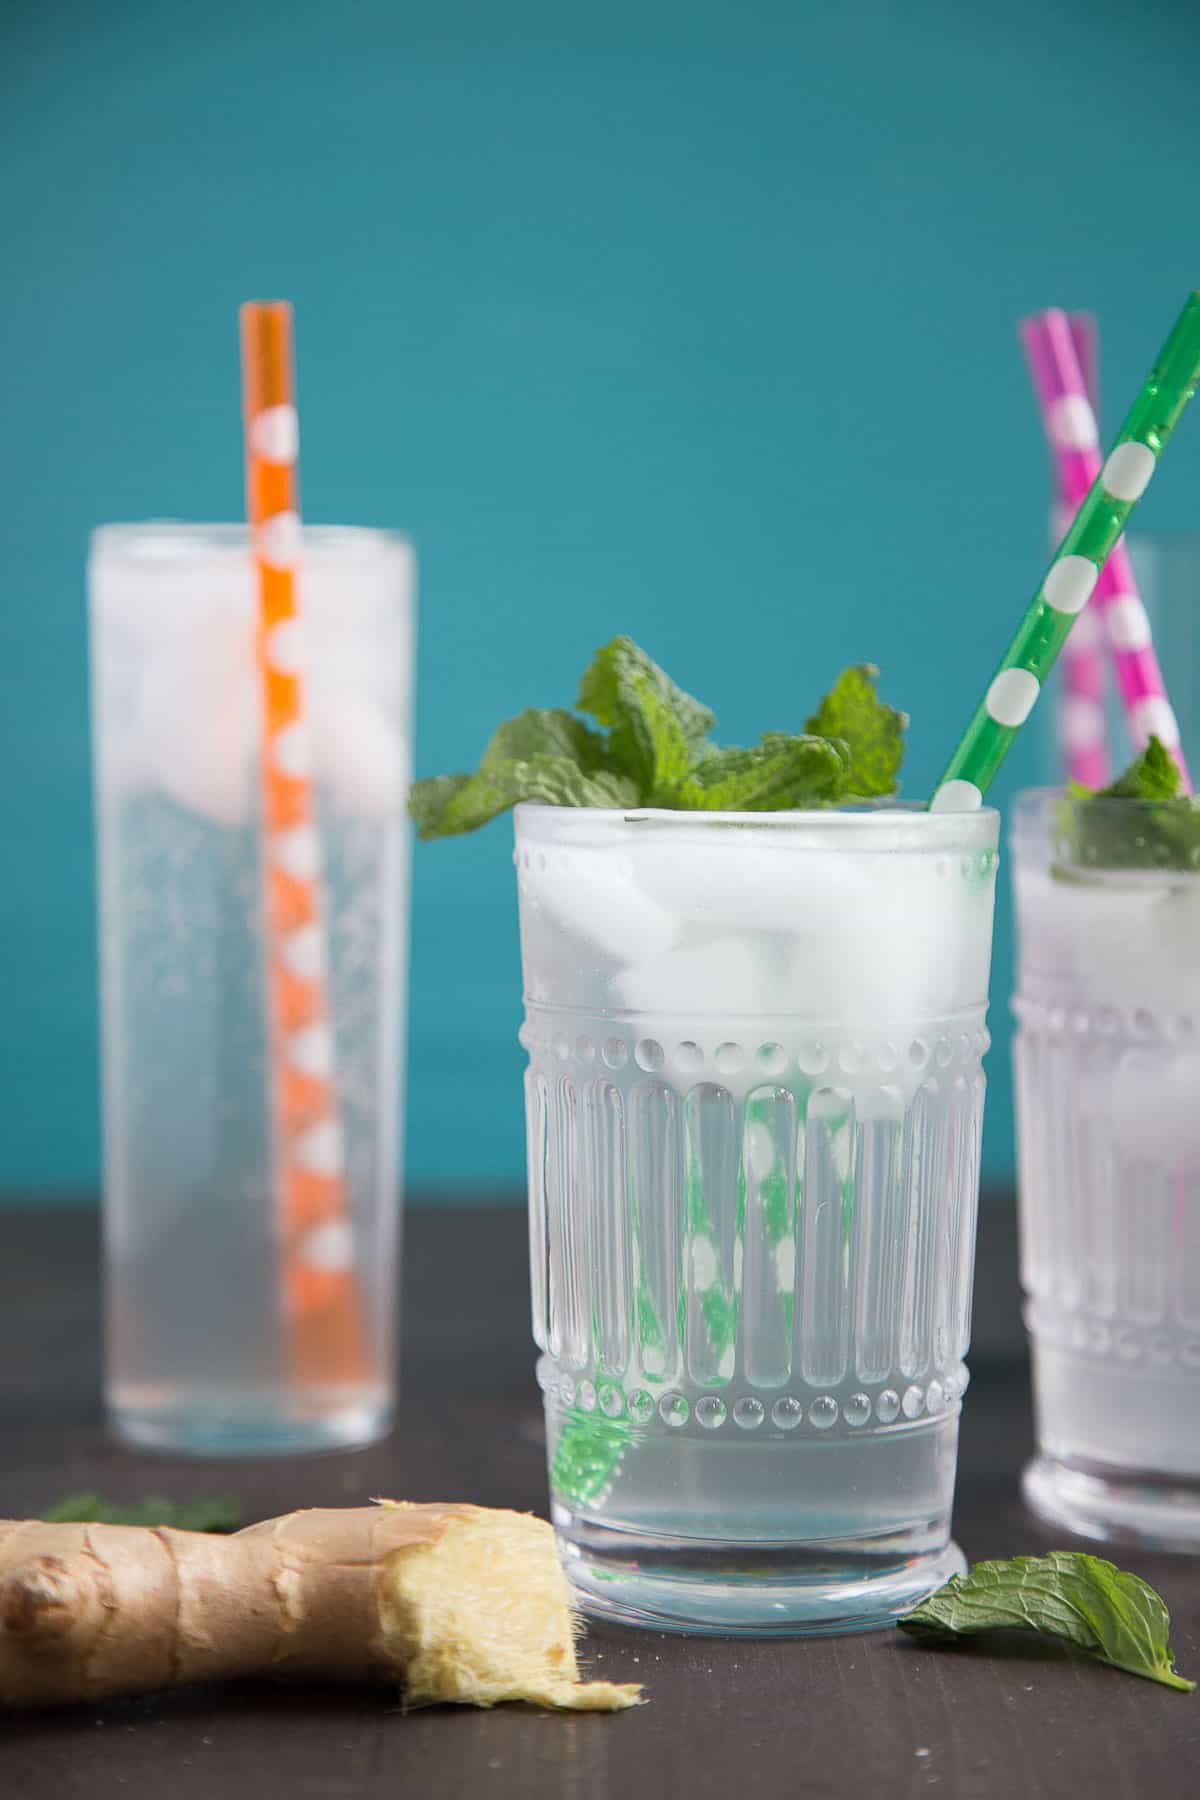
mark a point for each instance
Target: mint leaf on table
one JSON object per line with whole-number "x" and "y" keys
{"x": 778, "y": 773}
{"x": 1079, "y": 1600}
{"x": 656, "y": 731}
{"x": 1098, "y": 831}
{"x": 214, "y": 1515}
{"x": 872, "y": 731}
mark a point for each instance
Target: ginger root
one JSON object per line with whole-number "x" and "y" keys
{"x": 454, "y": 1603}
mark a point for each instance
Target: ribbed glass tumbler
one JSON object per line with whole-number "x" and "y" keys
{"x": 754, "y": 1101}
{"x": 1108, "y": 1116}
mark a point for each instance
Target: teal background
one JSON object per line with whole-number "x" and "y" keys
{"x": 687, "y": 319}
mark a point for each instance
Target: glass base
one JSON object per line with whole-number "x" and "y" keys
{"x": 1114, "y": 1506}
{"x": 199, "y": 1429}
{"x": 747, "y": 1590}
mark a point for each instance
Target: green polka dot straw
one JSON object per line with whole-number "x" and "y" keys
{"x": 1075, "y": 569}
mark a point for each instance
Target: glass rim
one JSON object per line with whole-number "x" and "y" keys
{"x": 1032, "y": 805}
{"x": 887, "y": 826}
{"x": 1039, "y": 837}
{"x": 174, "y": 543}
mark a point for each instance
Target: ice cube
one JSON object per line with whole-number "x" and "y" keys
{"x": 357, "y": 754}
{"x": 1148, "y": 1107}
{"x": 905, "y": 948}
{"x": 196, "y": 715}
{"x": 1128, "y": 941}
{"x": 729, "y": 976}
{"x": 1172, "y": 952}
{"x": 592, "y": 893}
{"x": 742, "y": 885}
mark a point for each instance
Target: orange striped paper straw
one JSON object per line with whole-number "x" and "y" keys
{"x": 321, "y": 1299}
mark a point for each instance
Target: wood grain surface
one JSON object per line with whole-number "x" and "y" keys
{"x": 855, "y": 1716}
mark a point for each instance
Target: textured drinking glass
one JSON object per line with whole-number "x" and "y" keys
{"x": 754, "y": 1102}
{"x": 1108, "y": 1115}
{"x": 197, "y": 1355}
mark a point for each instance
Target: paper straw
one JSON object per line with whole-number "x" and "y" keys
{"x": 1074, "y": 569}
{"x": 322, "y": 1305}
{"x": 1080, "y": 722}
{"x": 1085, "y": 336}
{"x": 1071, "y": 428}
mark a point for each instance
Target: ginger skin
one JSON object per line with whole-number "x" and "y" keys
{"x": 453, "y": 1603}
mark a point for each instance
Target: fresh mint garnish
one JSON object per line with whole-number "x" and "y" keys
{"x": 1080, "y": 1600}
{"x": 541, "y": 731}
{"x": 542, "y": 754}
{"x": 1097, "y": 831}
{"x": 656, "y": 731}
{"x": 653, "y": 749}
{"x": 216, "y": 1515}
{"x": 778, "y": 773}
{"x": 872, "y": 733}
{"x": 465, "y": 802}
{"x": 1154, "y": 775}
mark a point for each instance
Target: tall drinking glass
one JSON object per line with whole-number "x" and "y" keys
{"x": 1108, "y": 1115}
{"x": 197, "y": 1338}
{"x": 754, "y": 1100}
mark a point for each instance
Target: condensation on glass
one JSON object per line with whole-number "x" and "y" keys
{"x": 1107, "y": 1064}
{"x": 196, "y": 1345}
{"x": 754, "y": 1101}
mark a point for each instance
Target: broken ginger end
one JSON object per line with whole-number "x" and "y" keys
{"x": 450, "y": 1603}
{"x": 482, "y": 1616}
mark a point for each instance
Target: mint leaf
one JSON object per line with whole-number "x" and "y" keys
{"x": 656, "y": 730}
{"x": 429, "y": 800}
{"x": 653, "y": 750}
{"x": 540, "y": 731}
{"x": 588, "y": 1455}
{"x": 1160, "y": 830}
{"x": 779, "y": 773}
{"x": 216, "y": 1515}
{"x": 1078, "y": 1599}
{"x": 872, "y": 731}
{"x": 1154, "y": 775}
{"x": 446, "y": 805}
{"x": 497, "y": 785}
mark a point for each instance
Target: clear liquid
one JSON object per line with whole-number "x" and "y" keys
{"x": 196, "y": 1344}
{"x": 741, "y": 1478}
{"x": 754, "y": 1300}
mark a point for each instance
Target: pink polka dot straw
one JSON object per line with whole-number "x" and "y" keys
{"x": 1070, "y": 424}
{"x": 1069, "y": 582}
{"x": 1080, "y": 722}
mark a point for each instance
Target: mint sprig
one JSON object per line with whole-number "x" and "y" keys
{"x": 656, "y": 731}
{"x": 1080, "y": 1600}
{"x": 871, "y": 733}
{"x": 776, "y": 773}
{"x": 1154, "y": 775}
{"x": 214, "y": 1515}
{"x": 1096, "y": 831}
{"x": 653, "y": 749}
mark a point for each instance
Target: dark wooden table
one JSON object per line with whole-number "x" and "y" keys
{"x": 856, "y": 1716}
